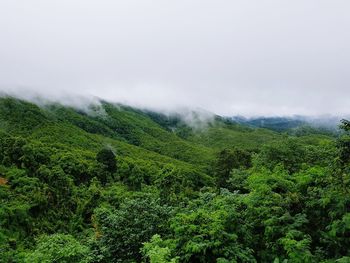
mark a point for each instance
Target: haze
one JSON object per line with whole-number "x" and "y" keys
{"x": 248, "y": 57}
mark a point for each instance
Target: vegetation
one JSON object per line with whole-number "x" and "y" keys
{"x": 116, "y": 184}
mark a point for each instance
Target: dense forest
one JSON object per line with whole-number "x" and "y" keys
{"x": 111, "y": 183}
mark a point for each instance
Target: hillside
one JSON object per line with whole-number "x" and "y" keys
{"x": 112, "y": 183}
{"x": 129, "y": 130}
{"x": 297, "y": 125}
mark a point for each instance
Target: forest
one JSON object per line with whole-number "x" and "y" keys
{"x": 112, "y": 183}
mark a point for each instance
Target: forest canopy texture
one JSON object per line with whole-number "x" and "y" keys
{"x": 117, "y": 184}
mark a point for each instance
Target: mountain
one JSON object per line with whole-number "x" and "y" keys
{"x": 273, "y": 123}
{"x": 107, "y": 182}
{"x": 131, "y": 131}
{"x": 296, "y": 124}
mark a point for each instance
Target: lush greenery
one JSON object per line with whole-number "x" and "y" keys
{"x": 115, "y": 184}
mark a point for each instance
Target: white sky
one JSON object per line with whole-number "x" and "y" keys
{"x": 250, "y": 57}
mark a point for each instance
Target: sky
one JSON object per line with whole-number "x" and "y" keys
{"x": 231, "y": 57}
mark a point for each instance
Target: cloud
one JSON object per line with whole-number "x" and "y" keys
{"x": 250, "y": 57}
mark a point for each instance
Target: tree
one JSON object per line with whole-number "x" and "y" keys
{"x": 107, "y": 158}
{"x": 211, "y": 229}
{"x": 131, "y": 174}
{"x": 288, "y": 153}
{"x": 344, "y": 143}
{"x": 135, "y": 178}
{"x": 34, "y": 155}
{"x": 12, "y": 148}
{"x": 238, "y": 181}
{"x": 122, "y": 231}
{"x": 171, "y": 183}
{"x": 274, "y": 209}
{"x": 75, "y": 166}
{"x": 158, "y": 251}
{"x": 58, "y": 248}
{"x": 226, "y": 161}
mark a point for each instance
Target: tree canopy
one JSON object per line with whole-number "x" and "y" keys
{"x": 226, "y": 193}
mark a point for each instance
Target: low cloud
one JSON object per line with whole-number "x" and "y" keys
{"x": 227, "y": 57}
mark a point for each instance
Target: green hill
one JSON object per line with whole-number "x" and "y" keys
{"x": 129, "y": 130}
{"x": 112, "y": 183}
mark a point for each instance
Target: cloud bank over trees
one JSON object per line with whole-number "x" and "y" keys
{"x": 243, "y": 57}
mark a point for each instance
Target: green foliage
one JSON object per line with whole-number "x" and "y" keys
{"x": 75, "y": 165}
{"x": 290, "y": 154}
{"x": 107, "y": 157}
{"x": 132, "y": 175}
{"x": 177, "y": 185}
{"x": 157, "y": 251}
{"x": 238, "y": 181}
{"x": 57, "y": 248}
{"x": 211, "y": 229}
{"x": 228, "y": 160}
{"x": 33, "y": 155}
{"x": 122, "y": 231}
{"x": 172, "y": 194}
{"x": 344, "y": 143}
{"x": 12, "y": 150}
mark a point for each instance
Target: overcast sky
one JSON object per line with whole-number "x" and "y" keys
{"x": 250, "y": 57}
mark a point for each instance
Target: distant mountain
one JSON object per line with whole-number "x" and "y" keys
{"x": 272, "y": 123}
{"x": 323, "y": 124}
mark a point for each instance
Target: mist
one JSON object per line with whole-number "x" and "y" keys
{"x": 251, "y": 58}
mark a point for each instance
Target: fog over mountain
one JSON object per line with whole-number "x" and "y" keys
{"x": 250, "y": 58}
